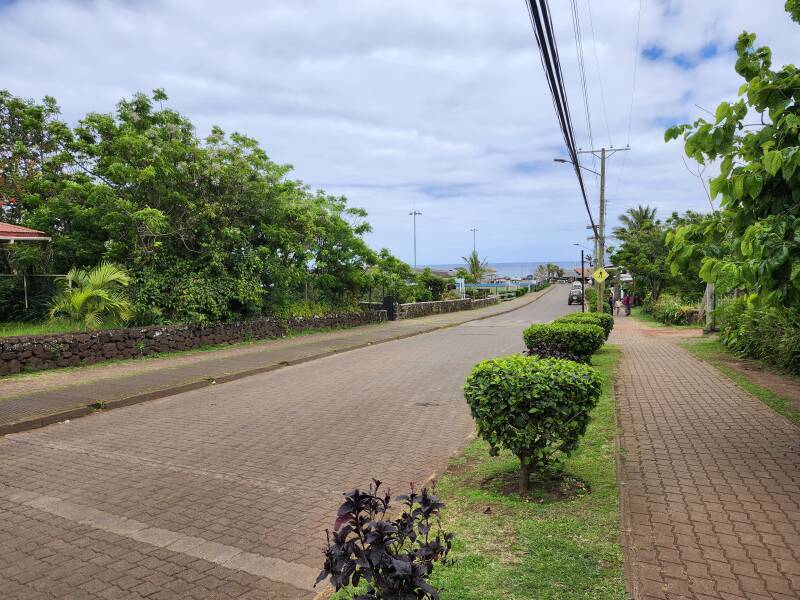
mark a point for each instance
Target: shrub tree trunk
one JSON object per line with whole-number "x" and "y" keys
{"x": 524, "y": 475}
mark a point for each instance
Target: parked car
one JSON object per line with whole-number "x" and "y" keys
{"x": 575, "y": 296}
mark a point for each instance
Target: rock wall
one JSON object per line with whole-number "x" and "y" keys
{"x": 423, "y": 309}
{"x": 50, "y": 351}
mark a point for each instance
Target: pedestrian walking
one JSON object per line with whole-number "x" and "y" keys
{"x": 618, "y": 305}
{"x": 627, "y": 304}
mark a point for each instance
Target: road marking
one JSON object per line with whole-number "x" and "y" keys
{"x": 230, "y": 557}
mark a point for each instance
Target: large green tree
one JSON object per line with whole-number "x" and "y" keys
{"x": 753, "y": 244}
{"x": 209, "y": 229}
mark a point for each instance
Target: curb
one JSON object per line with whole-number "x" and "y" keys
{"x": 74, "y": 413}
{"x": 632, "y": 585}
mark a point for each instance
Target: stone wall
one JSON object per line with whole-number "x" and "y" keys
{"x": 38, "y": 352}
{"x": 423, "y": 309}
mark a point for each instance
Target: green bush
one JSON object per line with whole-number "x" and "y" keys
{"x": 603, "y": 320}
{"x": 590, "y": 295}
{"x": 575, "y": 341}
{"x": 769, "y": 334}
{"x": 537, "y": 408}
{"x": 671, "y": 309}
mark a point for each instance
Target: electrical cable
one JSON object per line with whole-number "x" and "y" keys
{"x": 539, "y": 13}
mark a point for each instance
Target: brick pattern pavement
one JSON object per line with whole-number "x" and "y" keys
{"x": 32, "y": 400}
{"x": 710, "y": 479}
{"x": 225, "y": 492}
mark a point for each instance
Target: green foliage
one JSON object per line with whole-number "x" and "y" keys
{"x": 548, "y": 271}
{"x": 475, "y": 268}
{"x": 770, "y": 334}
{"x": 94, "y": 297}
{"x": 536, "y": 408}
{"x": 575, "y": 341}
{"x": 671, "y": 309}
{"x": 643, "y": 250}
{"x": 590, "y": 295}
{"x": 435, "y": 285}
{"x": 753, "y": 244}
{"x": 209, "y": 229}
{"x": 603, "y": 320}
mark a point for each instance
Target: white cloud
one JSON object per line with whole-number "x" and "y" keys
{"x": 431, "y": 104}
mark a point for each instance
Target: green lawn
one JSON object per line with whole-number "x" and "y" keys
{"x": 711, "y": 350}
{"x": 528, "y": 549}
{"x": 638, "y": 314}
{"x": 15, "y": 328}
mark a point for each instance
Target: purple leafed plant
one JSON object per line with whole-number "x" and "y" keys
{"x": 393, "y": 556}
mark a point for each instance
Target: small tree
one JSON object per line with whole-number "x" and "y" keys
{"x": 475, "y": 267}
{"x": 575, "y": 341}
{"x": 603, "y": 320}
{"x": 536, "y": 408}
{"x": 94, "y": 297}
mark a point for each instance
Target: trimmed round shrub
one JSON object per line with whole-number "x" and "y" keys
{"x": 574, "y": 341}
{"x": 603, "y": 320}
{"x": 537, "y": 408}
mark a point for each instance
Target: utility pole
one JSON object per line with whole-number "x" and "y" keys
{"x": 473, "y": 230}
{"x": 414, "y": 214}
{"x": 601, "y": 235}
{"x": 583, "y": 285}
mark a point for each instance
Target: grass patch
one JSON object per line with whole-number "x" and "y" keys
{"x": 538, "y": 548}
{"x": 643, "y": 317}
{"x": 19, "y": 328}
{"x": 713, "y": 352}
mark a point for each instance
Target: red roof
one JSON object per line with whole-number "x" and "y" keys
{"x": 7, "y": 230}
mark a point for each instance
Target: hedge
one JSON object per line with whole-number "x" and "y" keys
{"x": 538, "y": 408}
{"x": 575, "y": 341}
{"x": 603, "y": 320}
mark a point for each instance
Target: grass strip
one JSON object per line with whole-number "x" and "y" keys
{"x": 536, "y": 548}
{"x": 713, "y": 352}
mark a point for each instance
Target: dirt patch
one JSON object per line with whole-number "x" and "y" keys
{"x": 782, "y": 385}
{"x": 549, "y": 488}
{"x": 670, "y": 332}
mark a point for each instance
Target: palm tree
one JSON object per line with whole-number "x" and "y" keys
{"x": 633, "y": 220}
{"x": 94, "y": 297}
{"x": 476, "y": 267}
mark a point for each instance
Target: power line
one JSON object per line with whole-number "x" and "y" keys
{"x": 576, "y": 24}
{"x": 539, "y": 13}
{"x": 633, "y": 95}
{"x": 599, "y": 75}
{"x": 635, "y": 69}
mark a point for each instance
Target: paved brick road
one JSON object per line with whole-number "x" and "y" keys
{"x": 224, "y": 492}
{"x": 712, "y": 479}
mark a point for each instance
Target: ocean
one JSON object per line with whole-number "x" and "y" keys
{"x": 511, "y": 269}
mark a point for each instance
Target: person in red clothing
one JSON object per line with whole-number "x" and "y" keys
{"x": 626, "y": 302}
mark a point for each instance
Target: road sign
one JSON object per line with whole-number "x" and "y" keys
{"x": 600, "y": 275}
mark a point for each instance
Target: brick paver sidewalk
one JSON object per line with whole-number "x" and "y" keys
{"x": 710, "y": 479}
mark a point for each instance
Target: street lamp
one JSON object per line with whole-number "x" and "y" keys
{"x": 414, "y": 214}
{"x": 583, "y": 281}
{"x": 473, "y": 230}
{"x": 569, "y": 162}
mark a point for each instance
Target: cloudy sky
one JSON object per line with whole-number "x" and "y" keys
{"x": 435, "y": 105}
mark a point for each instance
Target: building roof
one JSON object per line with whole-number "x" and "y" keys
{"x": 17, "y": 232}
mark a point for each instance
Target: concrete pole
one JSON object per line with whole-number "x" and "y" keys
{"x": 601, "y": 240}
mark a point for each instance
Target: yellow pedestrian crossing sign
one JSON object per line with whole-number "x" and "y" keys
{"x": 600, "y": 275}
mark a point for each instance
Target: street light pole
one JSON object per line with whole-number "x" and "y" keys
{"x": 473, "y": 230}
{"x": 414, "y": 214}
{"x": 600, "y": 233}
{"x": 583, "y": 281}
